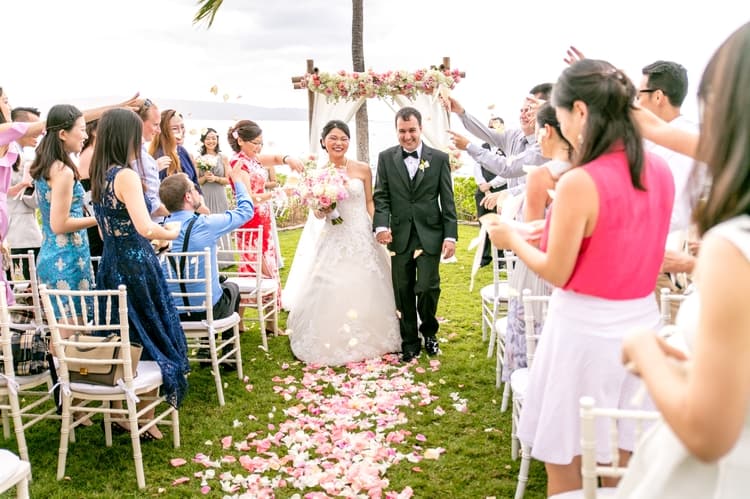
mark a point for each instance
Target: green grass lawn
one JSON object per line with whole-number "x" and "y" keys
{"x": 476, "y": 462}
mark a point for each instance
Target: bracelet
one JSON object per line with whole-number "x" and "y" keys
{"x": 283, "y": 159}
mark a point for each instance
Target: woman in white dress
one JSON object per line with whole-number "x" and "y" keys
{"x": 344, "y": 310}
{"x": 702, "y": 449}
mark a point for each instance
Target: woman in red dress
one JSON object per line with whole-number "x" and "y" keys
{"x": 246, "y": 139}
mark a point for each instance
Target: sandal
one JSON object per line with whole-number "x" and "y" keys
{"x": 147, "y": 436}
{"x": 117, "y": 428}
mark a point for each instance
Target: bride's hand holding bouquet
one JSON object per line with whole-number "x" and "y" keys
{"x": 321, "y": 188}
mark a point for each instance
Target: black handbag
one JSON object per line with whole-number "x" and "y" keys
{"x": 99, "y": 374}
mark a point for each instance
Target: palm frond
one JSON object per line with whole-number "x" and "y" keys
{"x": 207, "y": 11}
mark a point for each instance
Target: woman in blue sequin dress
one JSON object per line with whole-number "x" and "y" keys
{"x": 128, "y": 257}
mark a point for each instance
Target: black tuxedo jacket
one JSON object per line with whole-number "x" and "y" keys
{"x": 426, "y": 202}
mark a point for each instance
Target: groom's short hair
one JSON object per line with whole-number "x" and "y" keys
{"x": 172, "y": 191}
{"x": 405, "y": 113}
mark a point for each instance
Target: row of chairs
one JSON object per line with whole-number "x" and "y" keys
{"x": 27, "y": 400}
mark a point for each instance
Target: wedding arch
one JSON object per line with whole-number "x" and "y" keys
{"x": 339, "y": 95}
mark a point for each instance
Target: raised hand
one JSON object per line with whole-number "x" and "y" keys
{"x": 459, "y": 141}
{"x": 573, "y": 55}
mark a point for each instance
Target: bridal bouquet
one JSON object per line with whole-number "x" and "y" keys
{"x": 321, "y": 187}
{"x": 206, "y": 163}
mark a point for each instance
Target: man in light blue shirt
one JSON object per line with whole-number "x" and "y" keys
{"x": 180, "y": 197}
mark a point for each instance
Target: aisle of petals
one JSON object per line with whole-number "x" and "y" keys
{"x": 338, "y": 437}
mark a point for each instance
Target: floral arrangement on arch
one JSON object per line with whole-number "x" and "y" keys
{"x": 352, "y": 86}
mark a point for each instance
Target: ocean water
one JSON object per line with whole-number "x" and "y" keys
{"x": 291, "y": 137}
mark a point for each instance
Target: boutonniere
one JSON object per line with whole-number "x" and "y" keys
{"x": 423, "y": 165}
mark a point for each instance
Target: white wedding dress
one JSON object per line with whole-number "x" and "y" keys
{"x": 342, "y": 305}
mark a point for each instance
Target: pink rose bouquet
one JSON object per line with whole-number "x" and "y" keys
{"x": 321, "y": 188}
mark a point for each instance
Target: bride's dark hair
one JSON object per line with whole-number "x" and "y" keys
{"x": 333, "y": 125}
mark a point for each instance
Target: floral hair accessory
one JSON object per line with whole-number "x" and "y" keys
{"x": 235, "y": 134}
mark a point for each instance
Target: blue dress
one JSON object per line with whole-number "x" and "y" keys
{"x": 129, "y": 259}
{"x": 64, "y": 260}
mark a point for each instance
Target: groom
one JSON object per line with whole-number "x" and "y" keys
{"x": 416, "y": 216}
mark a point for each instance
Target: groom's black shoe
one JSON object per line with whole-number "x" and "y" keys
{"x": 431, "y": 345}
{"x": 407, "y": 357}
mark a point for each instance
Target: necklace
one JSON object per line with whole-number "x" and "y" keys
{"x": 341, "y": 167}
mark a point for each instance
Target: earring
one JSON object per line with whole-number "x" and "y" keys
{"x": 579, "y": 139}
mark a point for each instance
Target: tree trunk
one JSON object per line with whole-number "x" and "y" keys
{"x": 358, "y": 61}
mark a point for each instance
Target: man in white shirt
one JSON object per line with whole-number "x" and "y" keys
{"x": 662, "y": 90}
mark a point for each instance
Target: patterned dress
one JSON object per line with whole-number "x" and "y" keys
{"x": 262, "y": 217}
{"x": 129, "y": 259}
{"x": 64, "y": 259}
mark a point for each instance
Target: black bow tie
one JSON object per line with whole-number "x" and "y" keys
{"x": 413, "y": 154}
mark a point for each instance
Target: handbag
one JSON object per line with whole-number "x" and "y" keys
{"x": 99, "y": 374}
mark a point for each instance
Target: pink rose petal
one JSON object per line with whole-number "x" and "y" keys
{"x": 181, "y": 480}
{"x": 178, "y": 461}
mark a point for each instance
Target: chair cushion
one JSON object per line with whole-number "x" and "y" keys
{"x": 12, "y": 469}
{"x": 33, "y": 380}
{"x": 578, "y": 494}
{"x": 501, "y": 325}
{"x": 488, "y": 292}
{"x": 519, "y": 380}
{"x": 219, "y": 324}
{"x": 149, "y": 377}
{"x": 249, "y": 284}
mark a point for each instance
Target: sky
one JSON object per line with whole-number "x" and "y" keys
{"x": 64, "y": 52}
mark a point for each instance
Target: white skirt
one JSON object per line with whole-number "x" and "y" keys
{"x": 579, "y": 353}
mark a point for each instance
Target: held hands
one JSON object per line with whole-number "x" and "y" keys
{"x": 384, "y": 237}
{"x": 134, "y": 103}
{"x": 449, "y": 249}
{"x": 16, "y": 190}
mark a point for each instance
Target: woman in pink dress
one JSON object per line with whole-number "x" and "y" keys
{"x": 246, "y": 140}
{"x": 611, "y": 209}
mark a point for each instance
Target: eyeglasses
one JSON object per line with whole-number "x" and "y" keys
{"x": 648, "y": 90}
{"x": 259, "y": 144}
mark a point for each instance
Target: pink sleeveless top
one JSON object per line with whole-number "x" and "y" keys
{"x": 622, "y": 257}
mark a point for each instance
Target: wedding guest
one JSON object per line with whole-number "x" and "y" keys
{"x": 149, "y": 168}
{"x": 344, "y": 309}
{"x": 246, "y": 140}
{"x": 128, "y": 258}
{"x": 662, "y": 90}
{"x": 84, "y": 163}
{"x": 64, "y": 259}
{"x": 615, "y": 203}
{"x": 9, "y": 133}
{"x": 702, "y": 447}
{"x": 487, "y": 183}
{"x": 24, "y": 234}
{"x": 212, "y": 173}
{"x": 517, "y": 145}
{"x": 198, "y": 232}
{"x": 557, "y": 150}
{"x": 169, "y": 143}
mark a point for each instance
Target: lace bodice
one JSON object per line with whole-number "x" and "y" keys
{"x": 356, "y": 230}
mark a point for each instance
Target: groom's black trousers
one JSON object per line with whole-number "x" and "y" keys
{"x": 416, "y": 285}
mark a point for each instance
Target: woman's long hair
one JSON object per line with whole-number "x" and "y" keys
{"x": 724, "y": 143}
{"x": 118, "y": 140}
{"x": 166, "y": 142}
{"x": 51, "y": 149}
{"x": 609, "y": 96}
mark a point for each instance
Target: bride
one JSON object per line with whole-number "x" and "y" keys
{"x": 339, "y": 288}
